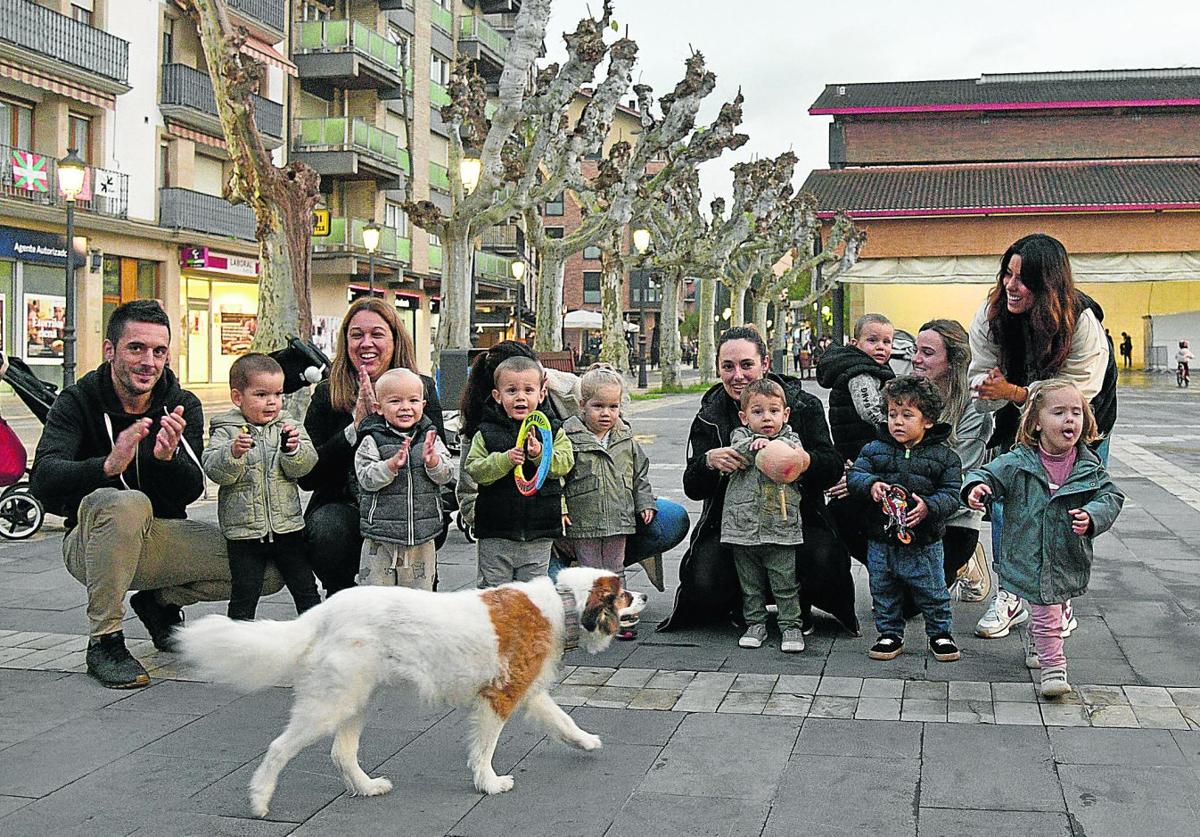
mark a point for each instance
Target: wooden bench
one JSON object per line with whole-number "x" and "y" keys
{"x": 562, "y": 361}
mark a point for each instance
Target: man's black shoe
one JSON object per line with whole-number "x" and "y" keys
{"x": 109, "y": 661}
{"x": 160, "y": 620}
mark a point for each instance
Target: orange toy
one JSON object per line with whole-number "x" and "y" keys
{"x": 781, "y": 464}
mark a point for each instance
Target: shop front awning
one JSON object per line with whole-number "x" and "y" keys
{"x": 982, "y": 270}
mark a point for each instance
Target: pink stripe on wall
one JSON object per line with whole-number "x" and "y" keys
{"x": 1014, "y": 210}
{"x": 948, "y": 107}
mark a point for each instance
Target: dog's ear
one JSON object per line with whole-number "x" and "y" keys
{"x": 600, "y": 611}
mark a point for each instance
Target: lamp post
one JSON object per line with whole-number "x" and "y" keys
{"x": 641, "y": 243}
{"x": 469, "y": 169}
{"x": 71, "y": 171}
{"x": 370, "y": 236}
{"x": 518, "y": 273}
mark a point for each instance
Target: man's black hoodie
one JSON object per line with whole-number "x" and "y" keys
{"x": 69, "y": 463}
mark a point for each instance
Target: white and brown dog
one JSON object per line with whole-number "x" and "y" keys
{"x": 495, "y": 650}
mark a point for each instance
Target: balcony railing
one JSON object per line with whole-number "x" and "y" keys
{"x": 491, "y": 266}
{"x": 441, "y": 17}
{"x": 339, "y": 133}
{"x": 346, "y": 236}
{"x": 187, "y": 210}
{"x": 187, "y": 87}
{"x": 439, "y": 96}
{"x": 435, "y": 258}
{"x": 47, "y": 33}
{"x": 404, "y": 250}
{"x": 269, "y": 12}
{"x": 33, "y": 177}
{"x": 349, "y": 36}
{"x": 473, "y": 28}
{"x": 505, "y": 237}
{"x": 439, "y": 177}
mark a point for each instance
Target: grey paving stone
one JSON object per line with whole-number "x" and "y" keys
{"x": 1185, "y": 697}
{"x": 662, "y": 815}
{"x": 711, "y": 755}
{"x": 973, "y": 690}
{"x": 631, "y": 677}
{"x": 832, "y": 706}
{"x": 1189, "y": 745}
{"x": 857, "y": 664}
{"x": 589, "y": 676}
{"x": 175, "y": 824}
{"x": 707, "y": 657}
{"x": 1140, "y": 696}
{"x": 891, "y": 811}
{"x": 948, "y": 822}
{"x": 840, "y": 686}
{"x": 1110, "y": 799}
{"x": 882, "y": 687}
{"x": 744, "y": 703}
{"x": 859, "y": 739}
{"x": 611, "y": 697}
{"x": 8, "y": 804}
{"x": 797, "y": 684}
{"x": 1021, "y": 714}
{"x": 1014, "y": 692}
{"x": 1160, "y": 717}
{"x": 572, "y": 695}
{"x": 787, "y": 704}
{"x": 754, "y": 683}
{"x": 924, "y": 690}
{"x": 1063, "y": 714}
{"x": 178, "y": 698}
{"x": 1127, "y": 747}
{"x": 1103, "y": 695}
{"x": 918, "y": 709}
{"x": 662, "y": 699}
{"x": 970, "y": 712}
{"x": 951, "y": 778}
{"x": 713, "y": 681}
{"x": 1112, "y": 715}
{"x": 671, "y": 680}
{"x": 615, "y": 726}
{"x": 878, "y": 709}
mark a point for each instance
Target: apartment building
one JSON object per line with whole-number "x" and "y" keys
{"x": 371, "y": 81}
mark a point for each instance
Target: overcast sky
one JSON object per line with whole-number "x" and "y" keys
{"x": 783, "y": 52}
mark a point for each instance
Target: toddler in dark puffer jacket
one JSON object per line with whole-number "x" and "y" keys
{"x": 910, "y": 453}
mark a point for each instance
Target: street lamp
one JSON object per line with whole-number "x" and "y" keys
{"x": 641, "y": 243}
{"x": 518, "y": 273}
{"x": 469, "y": 169}
{"x": 71, "y": 172}
{"x": 370, "y": 236}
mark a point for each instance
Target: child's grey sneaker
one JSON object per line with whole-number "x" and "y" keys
{"x": 1054, "y": 682}
{"x": 754, "y": 637}
{"x": 793, "y": 641}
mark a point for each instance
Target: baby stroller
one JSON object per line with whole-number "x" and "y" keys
{"x": 21, "y": 514}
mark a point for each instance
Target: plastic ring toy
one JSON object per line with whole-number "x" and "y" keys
{"x": 535, "y": 420}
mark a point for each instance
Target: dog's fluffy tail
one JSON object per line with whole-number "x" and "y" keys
{"x": 248, "y": 655}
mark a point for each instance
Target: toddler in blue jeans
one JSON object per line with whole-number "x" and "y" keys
{"x": 910, "y": 452}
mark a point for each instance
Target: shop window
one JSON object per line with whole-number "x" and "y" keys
{"x": 43, "y": 310}
{"x": 591, "y": 286}
{"x": 554, "y": 206}
{"x": 16, "y": 123}
{"x": 8, "y": 309}
{"x": 125, "y": 280}
{"x": 591, "y": 253}
{"x": 80, "y": 135}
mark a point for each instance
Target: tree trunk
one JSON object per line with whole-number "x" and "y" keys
{"x": 737, "y": 303}
{"x": 454, "y": 327}
{"x": 613, "y": 348}
{"x": 779, "y": 336}
{"x": 762, "y": 303}
{"x": 668, "y": 330}
{"x": 707, "y": 330}
{"x": 549, "y": 302}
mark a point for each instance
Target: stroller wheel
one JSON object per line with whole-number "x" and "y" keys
{"x": 464, "y": 528}
{"x": 20, "y": 515}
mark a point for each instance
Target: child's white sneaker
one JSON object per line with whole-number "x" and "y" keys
{"x": 754, "y": 637}
{"x": 1054, "y": 682}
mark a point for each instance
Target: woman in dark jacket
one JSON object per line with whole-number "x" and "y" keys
{"x": 708, "y": 587}
{"x": 371, "y": 341}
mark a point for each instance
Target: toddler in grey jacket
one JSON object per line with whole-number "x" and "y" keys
{"x": 760, "y": 520}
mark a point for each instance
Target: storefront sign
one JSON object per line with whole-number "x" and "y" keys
{"x": 201, "y": 258}
{"x": 44, "y": 326}
{"x": 34, "y": 246}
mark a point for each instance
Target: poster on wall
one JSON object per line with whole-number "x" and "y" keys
{"x": 45, "y": 316}
{"x": 237, "y": 330}
{"x": 324, "y": 333}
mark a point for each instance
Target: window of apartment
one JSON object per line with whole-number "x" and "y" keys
{"x": 82, "y": 11}
{"x": 16, "y": 123}
{"x": 395, "y": 217}
{"x": 396, "y": 35}
{"x": 554, "y": 206}
{"x": 312, "y": 10}
{"x": 439, "y": 68}
{"x": 168, "y": 40}
{"x": 434, "y": 240}
{"x": 637, "y": 288}
{"x": 164, "y": 165}
{"x": 79, "y": 135}
{"x": 554, "y": 232}
{"x": 591, "y": 286}
{"x": 591, "y": 253}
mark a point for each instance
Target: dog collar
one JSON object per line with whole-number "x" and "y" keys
{"x": 570, "y": 619}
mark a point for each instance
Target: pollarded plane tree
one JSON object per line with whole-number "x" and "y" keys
{"x": 623, "y": 186}
{"x": 283, "y": 198}
{"x": 814, "y": 274}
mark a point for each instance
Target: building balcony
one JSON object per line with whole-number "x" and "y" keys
{"x": 263, "y": 18}
{"x": 481, "y": 43}
{"x": 500, "y": 6}
{"x": 184, "y": 209}
{"x": 33, "y": 178}
{"x": 441, "y": 17}
{"x": 493, "y": 268}
{"x": 342, "y": 54}
{"x": 346, "y": 239}
{"x": 350, "y": 148}
{"x": 188, "y": 98}
{"x": 439, "y": 96}
{"x": 36, "y": 37}
{"x": 435, "y": 259}
{"x": 507, "y": 239}
{"x": 439, "y": 177}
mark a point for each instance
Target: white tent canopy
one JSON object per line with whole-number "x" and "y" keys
{"x": 1085, "y": 267}
{"x": 589, "y": 321}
